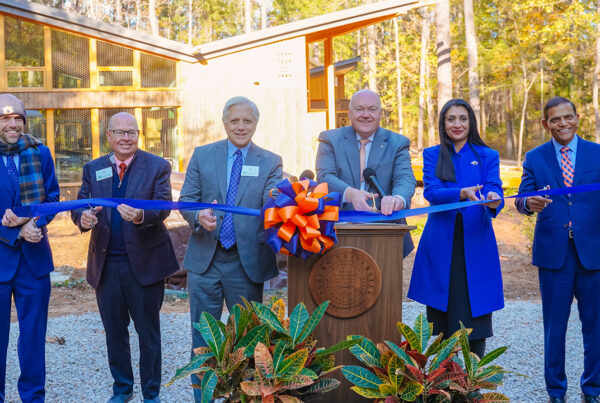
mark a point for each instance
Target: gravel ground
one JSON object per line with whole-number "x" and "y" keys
{"x": 77, "y": 370}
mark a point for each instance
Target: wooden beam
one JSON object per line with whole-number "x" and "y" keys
{"x": 180, "y": 144}
{"x": 329, "y": 82}
{"x": 3, "y": 82}
{"x": 99, "y": 99}
{"x": 95, "y": 133}
{"x": 93, "y": 64}
{"x": 137, "y": 69}
{"x": 307, "y": 60}
{"x": 140, "y": 121}
{"x": 47, "y": 58}
{"x": 50, "y": 131}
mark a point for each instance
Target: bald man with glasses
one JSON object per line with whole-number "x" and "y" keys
{"x": 130, "y": 253}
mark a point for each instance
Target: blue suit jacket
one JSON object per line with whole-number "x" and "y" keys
{"x": 38, "y": 255}
{"x": 148, "y": 244}
{"x": 338, "y": 164}
{"x": 551, "y": 236}
{"x": 205, "y": 181}
{"x": 431, "y": 272}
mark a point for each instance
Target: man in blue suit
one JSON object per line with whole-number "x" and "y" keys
{"x": 26, "y": 177}
{"x": 227, "y": 257}
{"x": 344, "y": 154}
{"x": 130, "y": 253}
{"x": 566, "y": 244}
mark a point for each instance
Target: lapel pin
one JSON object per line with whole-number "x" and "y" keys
{"x": 474, "y": 163}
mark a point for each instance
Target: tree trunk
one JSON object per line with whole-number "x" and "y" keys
{"x": 595, "y": 81}
{"x": 526, "y": 89}
{"x": 509, "y": 144}
{"x": 190, "y": 22}
{"x": 247, "y": 16}
{"x": 430, "y": 109}
{"x": 425, "y": 32}
{"x": 372, "y": 55}
{"x": 399, "y": 79}
{"x": 483, "y": 123}
{"x": 152, "y": 17}
{"x": 263, "y": 14}
{"x": 444, "y": 67}
{"x": 471, "y": 41}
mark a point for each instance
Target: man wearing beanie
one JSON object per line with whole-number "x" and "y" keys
{"x": 26, "y": 177}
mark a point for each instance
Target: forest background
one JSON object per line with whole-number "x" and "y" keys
{"x": 505, "y": 57}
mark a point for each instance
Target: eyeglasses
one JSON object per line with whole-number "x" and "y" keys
{"x": 371, "y": 110}
{"x": 125, "y": 133}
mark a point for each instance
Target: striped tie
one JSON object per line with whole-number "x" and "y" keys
{"x": 363, "y": 156}
{"x": 566, "y": 167}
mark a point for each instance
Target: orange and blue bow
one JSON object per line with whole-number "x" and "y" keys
{"x": 300, "y": 220}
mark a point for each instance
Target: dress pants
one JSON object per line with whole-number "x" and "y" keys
{"x": 121, "y": 297}
{"x": 558, "y": 287}
{"x": 31, "y": 297}
{"x": 226, "y": 280}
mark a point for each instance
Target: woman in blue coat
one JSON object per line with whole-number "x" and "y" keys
{"x": 457, "y": 269}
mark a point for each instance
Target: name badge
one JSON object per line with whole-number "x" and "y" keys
{"x": 104, "y": 173}
{"x": 250, "y": 170}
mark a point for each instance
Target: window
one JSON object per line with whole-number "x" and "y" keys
{"x": 70, "y": 61}
{"x": 157, "y": 72}
{"x": 36, "y": 124}
{"x": 115, "y": 65}
{"x": 72, "y": 143}
{"x": 160, "y": 132}
{"x": 24, "y": 53}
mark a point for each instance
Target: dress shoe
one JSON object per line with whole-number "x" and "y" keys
{"x": 590, "y": 399}
{"x": 120, "y": 398}
{"x": 155, "y": 400}
{"x": 557, "y": 400}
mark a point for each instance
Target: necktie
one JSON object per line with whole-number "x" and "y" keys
{"x": 363, "y": 156}
{"x": 566, "y": 167}
{"x": 122, "y": 168}
{"x": 227, "y": 234}
{"x": 11, "y": 167}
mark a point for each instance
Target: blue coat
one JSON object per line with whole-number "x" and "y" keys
{"x": 38, "y": 255}
{"x": 550, "y": 241}
{"x": 431, "y": 273}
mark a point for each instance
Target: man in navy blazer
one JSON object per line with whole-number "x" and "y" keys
{"x": 26, "y": 177}
{"x": 566, "y": 244}
{"x": 227, "y": 256}
{"x": 130, "y": 253}
{"x": 343, "y": 154}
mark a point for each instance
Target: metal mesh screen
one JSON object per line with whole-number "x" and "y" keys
{"x": 157, "y": 72}
{"x": 24, "y": 43}
{"x": 36, "y": 124}
{"x": 160, "y": 132}
{"x": 104, "y": 116}
{"x": 70, "y": 60}
{"x": 113, "y": 55}
{"x": 115, "y": 78}
{"x": 73, "y": 142}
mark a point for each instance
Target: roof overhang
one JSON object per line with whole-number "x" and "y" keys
{"x": 66, "y": 21}
{"x": 340, "y": 68}
{"x": 314, "y": 29}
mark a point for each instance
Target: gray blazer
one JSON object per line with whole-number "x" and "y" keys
{"x": 338, "y": 164}
{"x": 205, "y": 181}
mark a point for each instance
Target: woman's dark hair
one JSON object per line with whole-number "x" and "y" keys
{"x": 445, "y": 168}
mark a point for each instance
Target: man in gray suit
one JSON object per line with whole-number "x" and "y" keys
{"x": 227, "y": 257}
{"x": 344, "y": 154}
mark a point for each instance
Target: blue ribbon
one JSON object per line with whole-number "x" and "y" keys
{"x": 344, "y": 216}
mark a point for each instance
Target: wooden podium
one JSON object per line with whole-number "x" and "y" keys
{"x": 362, "y": 278}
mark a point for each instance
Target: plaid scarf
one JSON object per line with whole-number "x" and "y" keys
{"x": 31, "y": 181}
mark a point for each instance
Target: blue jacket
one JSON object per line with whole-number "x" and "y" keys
{"x": 551, "y": 237}
{"x": 38, "y": 255}
{"x": 431, "y": 273}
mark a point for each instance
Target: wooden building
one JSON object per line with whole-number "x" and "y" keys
{"x": 74, "y": 72}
